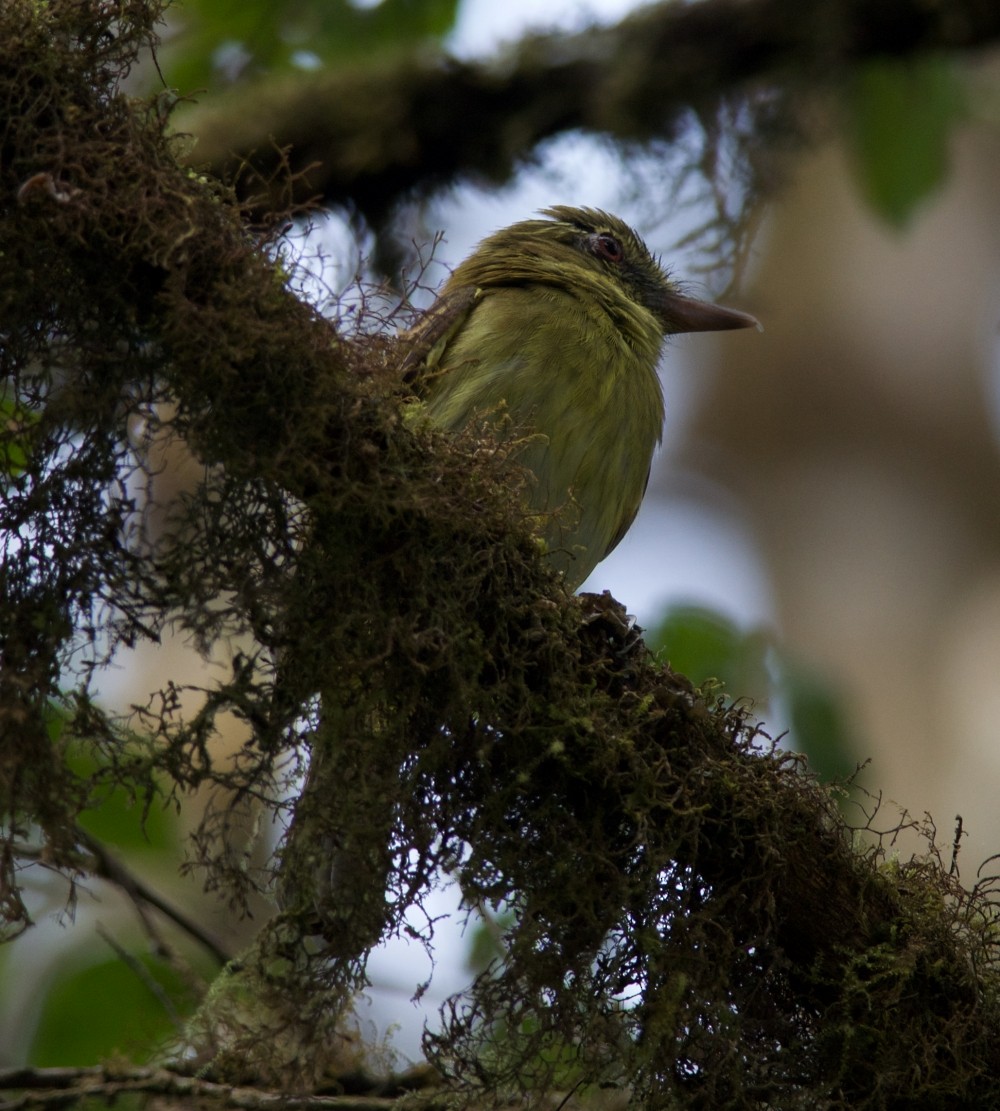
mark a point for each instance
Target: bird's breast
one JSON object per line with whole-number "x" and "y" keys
{"x": 560, "y": 369}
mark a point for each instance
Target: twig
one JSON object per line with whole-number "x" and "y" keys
{"x": 110, "y": 868}
{"x": 144, "y": 976}
{"x": 62, "y": 1087}
{"x": 956, "y": 844}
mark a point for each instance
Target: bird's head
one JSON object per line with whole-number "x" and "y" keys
{"x": 597, "y": 255}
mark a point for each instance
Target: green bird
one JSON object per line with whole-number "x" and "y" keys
{"x": 552, "y": 331}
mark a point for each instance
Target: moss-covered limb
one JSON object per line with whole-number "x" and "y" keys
{"x": 322, "y": 531}
{"x": 125, "y": 279}
{"x": 106, "y": 237}
{"x": 773, "y": 958}
{"x": 91, "y": 1086}
{"x": 653, "y": 854}
{"x": 367, "y": 137}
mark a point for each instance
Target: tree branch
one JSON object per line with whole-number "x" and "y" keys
{"x": 367, "y": 137}
{"x": 64, "y": 1087}
{"x": 106, "y": 865}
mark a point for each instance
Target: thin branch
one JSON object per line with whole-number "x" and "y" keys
{"x": 108, "y": 867}
{"x": 143, "y": 975}
{"x": 63, "y": 1087}
{"x": 367, "y": 137}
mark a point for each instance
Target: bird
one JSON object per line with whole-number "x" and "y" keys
{"x": 552, "y": 331}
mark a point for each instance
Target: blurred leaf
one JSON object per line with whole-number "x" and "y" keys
{"x": 56, "y": 719}
{"x": 818, "y": 722}
{"x": 704, "y": 645}
{"x": 119, "y": 818}
{"x": 116, "y": 815}
{"x": 16, "y": 424}
{"x": 224, "y": 40}
{"x": 486, "y": 943}
{"x": 900, "y": 118}
{"x": 79, "y": 1025}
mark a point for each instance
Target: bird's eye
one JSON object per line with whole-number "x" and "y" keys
{"x": 608, "y": 247}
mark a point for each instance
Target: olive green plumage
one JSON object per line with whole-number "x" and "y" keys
{"x": 555, "y": 327}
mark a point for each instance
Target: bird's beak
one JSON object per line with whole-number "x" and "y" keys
{"x": 685, "y": 314}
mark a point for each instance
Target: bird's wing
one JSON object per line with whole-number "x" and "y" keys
{"x": 626, "y": 522}
{"x": 426, "y": 341}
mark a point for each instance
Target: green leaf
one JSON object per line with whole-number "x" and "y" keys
{"x": 121, "y": 818}
{"x": 250, "y": 39}
{"x": 705, "y": 645}
{"x": 16, "y": 426}
{"x": 485, "y": 943}
{"x": 900, "y": 116}
{"x": 104, "y": 1009}
{"x": 818, "y": 721}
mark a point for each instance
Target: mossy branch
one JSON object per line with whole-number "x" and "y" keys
{"x": 368, "y": 137}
